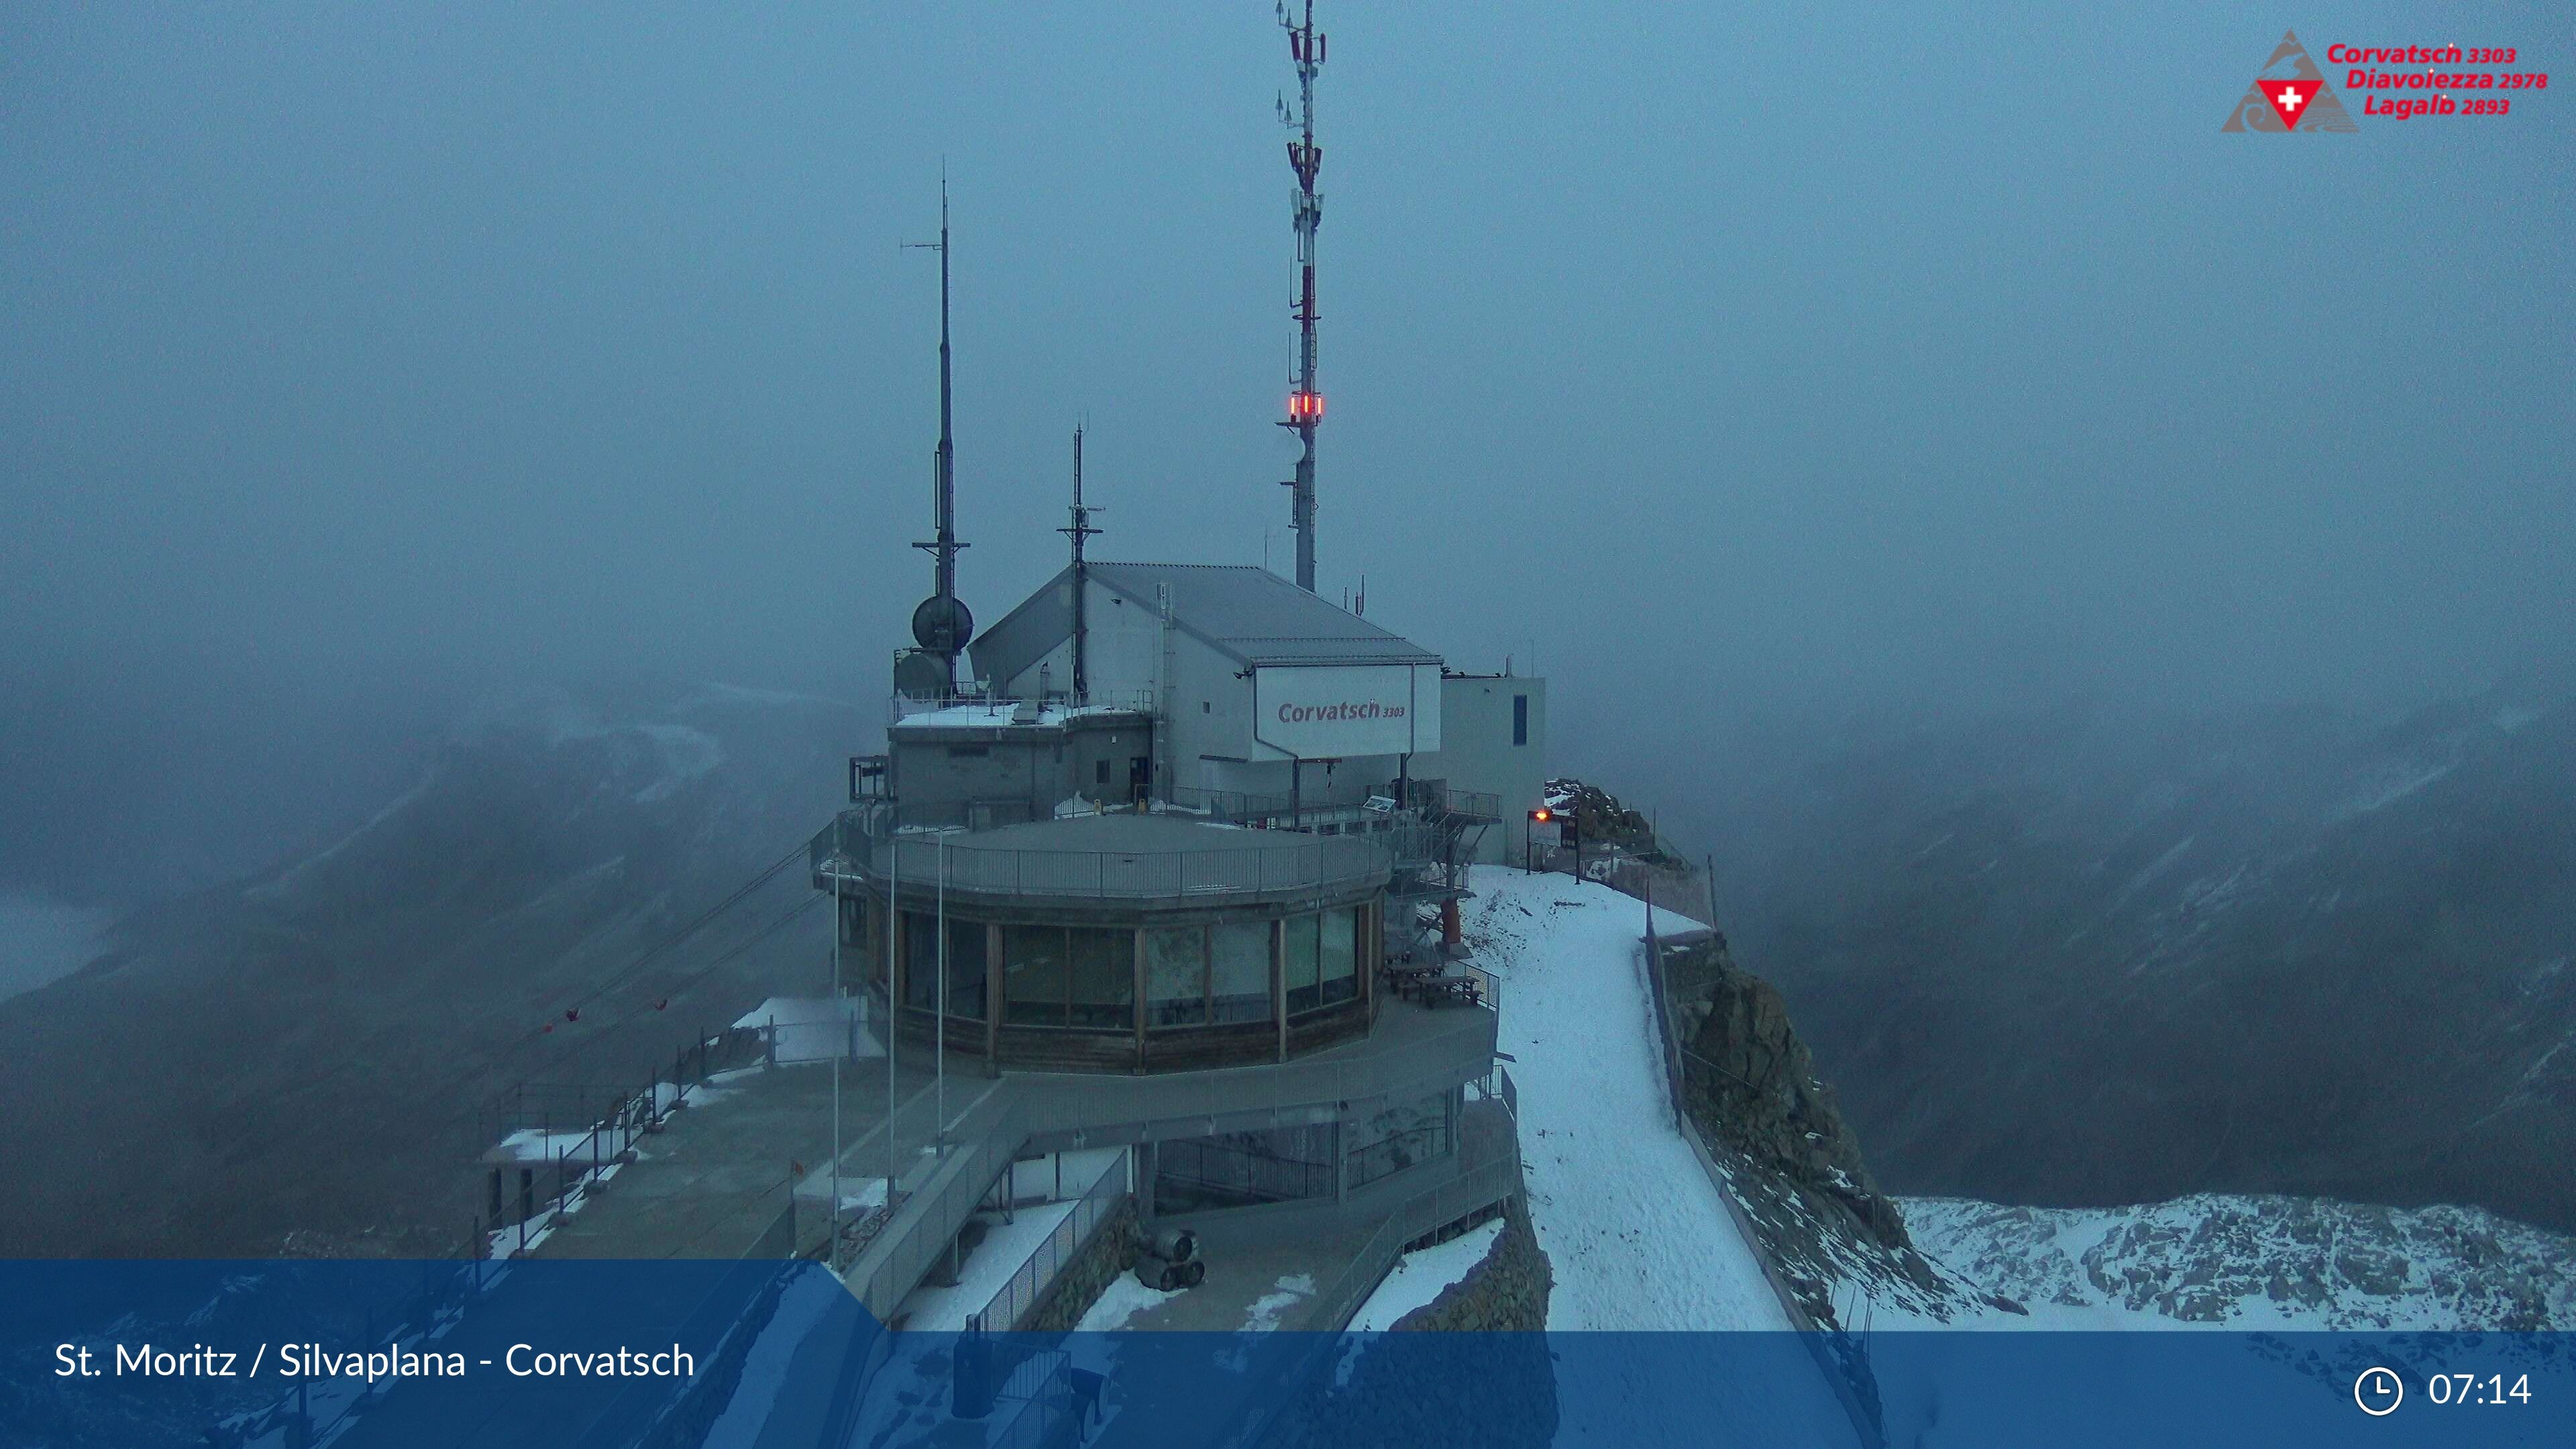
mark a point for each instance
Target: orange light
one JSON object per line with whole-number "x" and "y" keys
{"x": 1541, "y": 815}
{"x": 1305, "y": 405}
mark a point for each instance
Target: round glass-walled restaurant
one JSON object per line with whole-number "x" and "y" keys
{"x": 1116, "y": 942}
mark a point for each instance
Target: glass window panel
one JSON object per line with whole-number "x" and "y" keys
{"x": 1299, "y": 964}
{"x": 966, "y": 969}
{"x": 1340, "y": 955}
{"x": 920, "y": 960}
{"x": 1103, "y": 978}
{"x": 1239, "y": 968}
{"x": 1176, "y": 977}
{"x": 1033, "y": 975}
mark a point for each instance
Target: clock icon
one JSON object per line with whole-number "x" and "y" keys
{"x": 2378, "y": 1391}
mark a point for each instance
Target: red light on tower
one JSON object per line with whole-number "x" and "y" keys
{"x": 1305, "y": 407}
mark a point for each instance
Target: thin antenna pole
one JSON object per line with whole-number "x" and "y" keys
{"x": 840, "y": 1009}
{"x": 894, "y": 867}
{"x": 943, "y": 549}
{"x": 1081, "y": 529}
{"x": 1305, "y": 405}
{"x": 939, "y": 1038}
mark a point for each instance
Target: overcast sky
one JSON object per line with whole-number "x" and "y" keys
{"x": 1738, "y": 357}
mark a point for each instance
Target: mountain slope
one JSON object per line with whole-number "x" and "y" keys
{"x": 2085, "y": 961}
{"x": 309, "y": 1050}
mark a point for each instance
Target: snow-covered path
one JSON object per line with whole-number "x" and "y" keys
{"x": 1637, "y": 1234}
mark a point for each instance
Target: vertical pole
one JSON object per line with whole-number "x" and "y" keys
{"x": 840, "y": 868}
{"x": 939, "y": 1033}
{"x": 1712, "y": 894}
{"x": 894, "y": 866}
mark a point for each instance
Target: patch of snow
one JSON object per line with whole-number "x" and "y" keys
{"x": 2394, "y": 785}
{"x": 1002, "y": 714}
{"x": 1637, "y": 1234}
{"x": 1288, "y": 1292}
{"x": 814, "y": 1028}
{"x": 1422, "y": 1276}
{"x": 1123, "y": 1299}
{"x": 295, "y": 875}
{"x": 2157, "y": 867}
{"x": 685, "y": 754}
{"x": 1006, "y": 1247}
{"x": 2248, "y": 1264}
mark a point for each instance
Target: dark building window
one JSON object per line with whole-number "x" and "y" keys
{"x": 1100, "y": 772}
{"x": 1520, "y": 719}
{"x": 1239, "y": 971}
{"x": 1176, "y": 977}
{"x": 920, "y": 960}
{"x": 1033, "y": 975}
{"x": 966, "y": 970}
{"x": 965, "y": 965}
{"x": 1052, "y": 976}
{"x": 1298, "y": 961}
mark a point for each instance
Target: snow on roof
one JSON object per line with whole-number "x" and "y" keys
{"x": 1249, "y": 613}
{"x": 1003, "y": 714}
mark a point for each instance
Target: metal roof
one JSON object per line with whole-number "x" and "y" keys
{"x": 1247, "y": 613}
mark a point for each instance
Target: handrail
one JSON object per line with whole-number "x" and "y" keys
{"x": 854, "y": 850}
{"x": 1478, "y": 1187}
{"x": 1017, "y": 1296}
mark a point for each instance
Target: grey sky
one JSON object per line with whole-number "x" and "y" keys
{"x": 1736, "y": 356}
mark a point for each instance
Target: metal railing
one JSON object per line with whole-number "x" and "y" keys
{"x": 1477, "y": 1188}
{"x": 1435, "y": 797}
{"x": 1044, "y": 1383}
{"x": 578, "y": 1155}
{"x": 1239, "y": 807}
{"x": 1071, "y": 1236}
{"x": 1233, "y": 1174}
{"x": 1396, "y": 1152}
{"x": 857, "y": 851}
{"x": 1003, "y": 708}
{"x": 1042, "y": 1112}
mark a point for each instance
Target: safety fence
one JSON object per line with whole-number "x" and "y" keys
{"x": 1042, "y": 1384}
{"x": 1480, "y": 1186}
{"x": 550, "y": 1161}
{"x": 847, "y": 854}
{"x": 1069, "y": 1237}
{"x": 1230, "y": 1174}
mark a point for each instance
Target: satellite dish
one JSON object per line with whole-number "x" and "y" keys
{"x": 942, "y": 624}
{"x": 923, "y": 675}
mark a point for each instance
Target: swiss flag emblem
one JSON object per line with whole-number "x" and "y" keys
{"x": 2290, "y": 98}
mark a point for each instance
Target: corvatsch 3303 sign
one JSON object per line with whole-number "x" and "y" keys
{"x": 1330, "y": 712}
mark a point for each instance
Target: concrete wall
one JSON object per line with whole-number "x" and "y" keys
{"x": 1033, "y": 766}
{"x": 1477, "y": 753}
{"x": 1208, "y": 736}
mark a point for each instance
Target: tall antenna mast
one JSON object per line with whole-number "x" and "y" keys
{"x": 942, "y": 624}
{"x": 1305, "y": 405}
{"x": 1080, "y": 530}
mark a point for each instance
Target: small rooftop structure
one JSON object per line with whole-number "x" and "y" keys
{"x": 1249, "y": 614}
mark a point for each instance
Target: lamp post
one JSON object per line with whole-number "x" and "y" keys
{"x": 894, "y": 868}
{"x": 840, "y": 868}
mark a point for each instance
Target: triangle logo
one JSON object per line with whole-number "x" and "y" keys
{"x": 2290, "y": 94}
